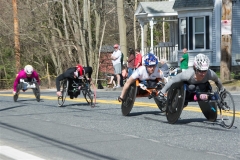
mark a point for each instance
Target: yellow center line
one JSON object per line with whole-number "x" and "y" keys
{"x": 136, "y": 104}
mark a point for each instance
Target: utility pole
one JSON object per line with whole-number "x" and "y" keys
{"x": 226, "y": 41}
{"x": 16, "y": 36}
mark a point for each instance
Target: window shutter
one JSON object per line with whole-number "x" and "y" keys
{"x": 179, "y": 34}
{"x": 207, "y": 33}
{"x": 190, "y": 33}
{"x": 186, "y": 33}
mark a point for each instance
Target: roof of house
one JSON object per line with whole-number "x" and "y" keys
{"x": 159, "y": 8}
{"x": 192, "y": 3}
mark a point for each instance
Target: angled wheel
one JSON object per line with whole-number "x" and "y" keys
{"x": 160, "y": 105}
{"x": 129, "y": 99}
{"x": 36, "y": 92}
{"x": 227, "y": 110}
{"x": 64, "y": 89}
{"x": 209, "y": 110}
{"x": 175, "y": 100}
{"x": 15, "y": 97}
{"x": 88, "y": 95}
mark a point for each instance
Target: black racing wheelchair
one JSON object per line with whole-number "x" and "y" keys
{"x": 139, "y": 89}
{"x": 73, "y": 88}
{"x": 25, "y": 84}
{"x": 181, "y": 93}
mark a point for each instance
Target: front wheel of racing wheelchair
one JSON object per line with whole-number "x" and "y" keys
{"x": 64, "y": 89}
{"x": 87, "y": 93}
{"x": 227, "y": 109}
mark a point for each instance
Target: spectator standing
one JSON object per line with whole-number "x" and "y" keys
{"x": 184, "y": 60}
{"x": 138, "y": 59}
{"x": 130, "y": 60}
{"x": 116, "y": 61}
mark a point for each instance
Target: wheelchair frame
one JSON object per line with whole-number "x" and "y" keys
{"x": 176, "y": 98}
{"x": 135, "y": 91}
{"x": 83, "y": 86}
{"x": 30, "y": 85}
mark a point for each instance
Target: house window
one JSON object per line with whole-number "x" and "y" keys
{"x": 199, "y": 32}
{"x": 183, "y": 33}
{"x": 194, "y": 33}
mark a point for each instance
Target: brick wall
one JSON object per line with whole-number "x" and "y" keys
{"x": 105, "y": 65}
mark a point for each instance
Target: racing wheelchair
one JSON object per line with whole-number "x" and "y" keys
{"x": 77, "y": 86}
{"x": 181, "y": 93}
{"x": 24, "y": 85}
{"x": 138, "y": 89}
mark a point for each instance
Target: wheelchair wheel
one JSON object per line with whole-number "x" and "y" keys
{"x": 227, "y": 111}
{"x": 64, "y": 90}
{"x": 128, "y": 100}
{"x": 160, "y": 105}
{"x": 175, "y": 100}
{"x": 15, "y": 97}
{"x": 209, "y": 110}
{"x": 88, "y": 95}
{"x": 36, "y": 92}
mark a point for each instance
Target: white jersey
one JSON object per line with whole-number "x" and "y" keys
{"x": 117, "y": 54}
{"x": 142, "y": 74}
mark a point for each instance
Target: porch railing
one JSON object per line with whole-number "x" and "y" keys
{"x": 170, "y": 53}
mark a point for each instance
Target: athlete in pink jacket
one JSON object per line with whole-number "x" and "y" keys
{"x": 27, "y": 74}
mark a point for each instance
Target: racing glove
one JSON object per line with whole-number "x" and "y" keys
{"x": 222, "y": 93}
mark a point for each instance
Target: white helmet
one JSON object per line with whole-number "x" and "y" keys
{"x": 201, "y": 62}
{"x": 28, "y": 69}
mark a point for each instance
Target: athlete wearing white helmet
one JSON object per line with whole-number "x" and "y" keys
{"x": 198, "y": 75}
{"x": 28, "y": 69}
{"x": 201, "y": 62}
{"x": 28, "y": 74}
{"x": 149, "y": 71}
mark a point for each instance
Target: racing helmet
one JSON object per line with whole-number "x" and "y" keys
{"x": 28, "y": 69}
{"x": 80, "y": 69}
{"x": 150, "y": 60}
{"x": 201, "y": 62}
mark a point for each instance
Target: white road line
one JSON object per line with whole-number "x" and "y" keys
{"x": 16, "y": 154}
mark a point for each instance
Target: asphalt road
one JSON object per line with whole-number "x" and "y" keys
{"x": 77, "y": 131}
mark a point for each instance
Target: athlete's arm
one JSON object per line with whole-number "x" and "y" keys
{"x": 16, "y": 83}
{"x": 126, "y": 86}
{"x": 215, "y": 78}
{"x": 178, "y": 78}
{"x": 58, "y": 79}
{"x": 36, "y": 76}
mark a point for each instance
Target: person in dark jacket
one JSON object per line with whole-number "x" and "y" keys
{"x": 73, "y": 74}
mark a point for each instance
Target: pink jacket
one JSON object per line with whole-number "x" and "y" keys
{"x": 22, "y": 75}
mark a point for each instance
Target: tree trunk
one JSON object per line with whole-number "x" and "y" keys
{"x": 16, "y": 36}
{"x": 66, "y": 30}
{"x": 134, "y": 26}
{"x": 122, "y": 27}
{"x": 226, "y": 44}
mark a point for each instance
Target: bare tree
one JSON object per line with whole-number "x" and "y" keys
{"x": 122, "y": 27}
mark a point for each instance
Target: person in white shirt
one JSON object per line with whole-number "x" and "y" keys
{"x": 116, "y": 61}
{"x": 149, "y": 71}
